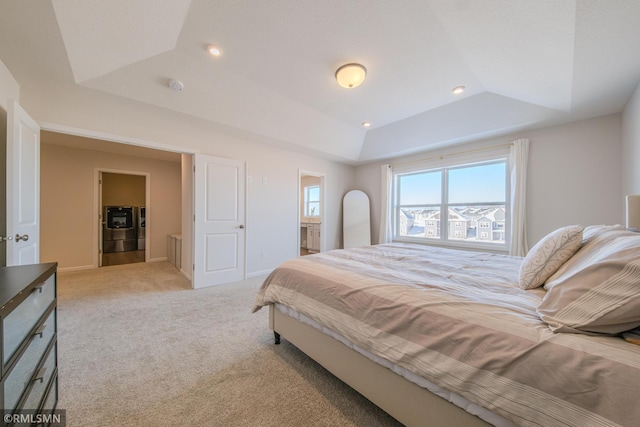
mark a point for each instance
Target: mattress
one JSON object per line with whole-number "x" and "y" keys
{"x": 458, "y": 320}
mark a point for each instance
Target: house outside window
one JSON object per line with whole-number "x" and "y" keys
{"x": 455, "y": 205}
{"x": 312, "y": 201}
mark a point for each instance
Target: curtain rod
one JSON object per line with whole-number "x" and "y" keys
{"x": 442, "y": 156}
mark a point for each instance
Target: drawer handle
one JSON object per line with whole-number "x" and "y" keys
{"x": 40, "y": 331}
{"x": 39, "y": 287}
{"x": 40, "y": 375}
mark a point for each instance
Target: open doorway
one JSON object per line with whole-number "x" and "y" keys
{"x": 311, "y": 202}
{"x": 71, "y": 206}
{"x": 123, "y": 216}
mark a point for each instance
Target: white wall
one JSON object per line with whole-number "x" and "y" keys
{"x": 631, "y": 145}
{"x": 574, "y": 175}
{"x": 67, "y": 192}
{"x": 9, "y": 87}
{"x": 272, "y": 208}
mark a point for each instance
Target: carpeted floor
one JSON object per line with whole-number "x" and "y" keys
{"x": 139, "y": 347}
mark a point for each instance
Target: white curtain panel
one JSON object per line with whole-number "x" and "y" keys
{"x": 386, "y": 228}
{"x": 518, "y": 158}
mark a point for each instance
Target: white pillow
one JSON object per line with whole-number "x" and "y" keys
{"x": 546, "y": 257}
{"x": 598, "y": 290}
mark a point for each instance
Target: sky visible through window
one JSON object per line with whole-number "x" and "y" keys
{"x": 312, "y": 200}
{"x": 476, "y": 184}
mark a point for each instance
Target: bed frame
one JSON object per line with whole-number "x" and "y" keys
{"x": 405, "y": 401}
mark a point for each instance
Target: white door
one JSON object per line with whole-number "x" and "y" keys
{"x": 219, "y": 229}
{"x": 23, "y": 187}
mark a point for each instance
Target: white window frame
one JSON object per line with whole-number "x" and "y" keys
{"x": 307, "y": 201}
{"x": 500, "y": 154}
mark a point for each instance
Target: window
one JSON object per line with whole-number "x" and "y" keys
{"x": 460, "y": 205}
{"x": 312, "y": 201}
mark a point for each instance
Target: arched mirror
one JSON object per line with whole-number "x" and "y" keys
{"x": 356, "y": 228}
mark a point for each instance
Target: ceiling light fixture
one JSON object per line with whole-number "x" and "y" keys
{"x": 366, "y": 124}
{"x": 214, "y": 50}
{"x": 351, "y": 75}
{"x": 458, "y": 90}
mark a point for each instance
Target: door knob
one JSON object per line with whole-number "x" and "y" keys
{"x": 5, "y": 238}
{"x": 19, "y": 237}
{"x": 241, "y": 226}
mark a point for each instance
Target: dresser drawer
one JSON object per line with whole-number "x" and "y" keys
{"x": 51, "y": 400}
{"x": 40, "y": 381}
{"x": 19, "y": 322}
{"x": 19, "y": 377}
{"x": 49, "y": 403}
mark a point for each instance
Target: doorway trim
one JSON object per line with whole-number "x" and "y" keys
{"x": 120, "y": 139}
{"x": 97, "y": 213}
{"x": 187, "y": 210}
{"x": 323, "y": 207}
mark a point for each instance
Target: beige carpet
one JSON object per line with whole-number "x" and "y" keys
{"x": 138, "y": 347}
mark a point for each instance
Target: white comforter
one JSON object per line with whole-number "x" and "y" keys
{"x": 459, "y": 320}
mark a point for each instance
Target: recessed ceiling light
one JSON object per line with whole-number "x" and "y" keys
{"x": 458, "y": 90}
{"x": 366, "y": 124}
{"x": 214, "y": 50}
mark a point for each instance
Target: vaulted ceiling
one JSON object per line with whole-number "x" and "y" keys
{"x": 524, "y": 64}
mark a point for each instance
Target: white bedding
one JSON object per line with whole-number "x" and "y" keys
{"x": 457, "y": 400}
{"x": 459, "y": 320}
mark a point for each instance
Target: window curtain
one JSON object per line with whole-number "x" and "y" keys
{"x": 518, "y": 158}
{"x": 386, "y": 227}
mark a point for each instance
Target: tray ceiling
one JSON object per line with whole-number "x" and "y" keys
{"x": 524, "y": 64}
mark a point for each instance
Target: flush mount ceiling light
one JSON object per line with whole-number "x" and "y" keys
{"x": 214, "y": 50}
{"x": 366, "y": 124}
{"x": 458, "y": 90}
{"x": 351, "y": 75}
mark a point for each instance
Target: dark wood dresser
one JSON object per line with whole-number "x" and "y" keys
{"x": 28, "y": 341}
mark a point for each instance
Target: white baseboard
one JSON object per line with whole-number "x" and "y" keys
{"x": 260, "y": 273}
{"x": 81, "y": 267}
{"x": 185, "y": 274}
{"x": 89, "y": 267}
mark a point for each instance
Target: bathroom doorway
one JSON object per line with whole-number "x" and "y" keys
{"x": 311, "y": 211}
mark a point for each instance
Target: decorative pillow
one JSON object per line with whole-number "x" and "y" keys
{"x": 597, "y": 291}
{"x": 593, "y": 231}
{"x": 549, "y": 254}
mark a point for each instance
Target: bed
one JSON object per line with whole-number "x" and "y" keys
{"x": 443, "y": 337}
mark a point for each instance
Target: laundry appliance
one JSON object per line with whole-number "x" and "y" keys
{"x": 142, "y": 227}
{"x": 119, "y": 229}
